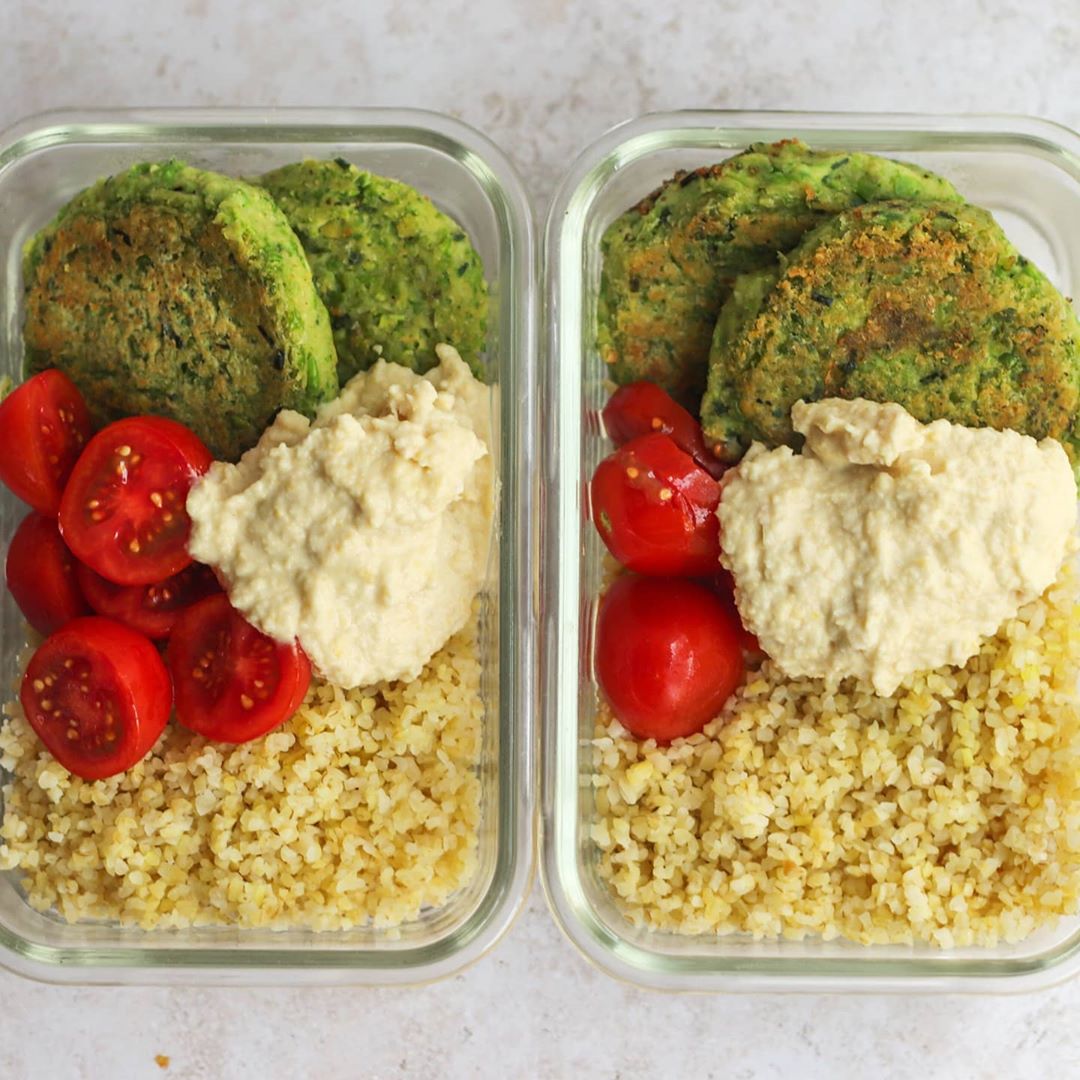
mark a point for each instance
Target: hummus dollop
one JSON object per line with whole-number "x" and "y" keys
{"x": 889, "y": 546}
{"x": 363, "y": 534}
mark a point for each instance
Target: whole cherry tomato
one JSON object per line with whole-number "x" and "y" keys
{"x": 44, "y": 425}
{"x": 643, "y": 408}
{"x": 655, "y": 509}
{"x": 42, "y": 575}
{"x": 668, "y": 655}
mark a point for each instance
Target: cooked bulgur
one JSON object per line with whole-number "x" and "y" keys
{"x": 363, "y": 808}
{"x": 948, "y": 813}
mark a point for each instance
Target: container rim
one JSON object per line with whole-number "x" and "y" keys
{"x": 563, "y": 254}
{"x": 511, "y": 878}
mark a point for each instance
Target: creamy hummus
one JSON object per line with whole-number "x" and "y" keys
{"x": 888, "y": 546}
{"x": 364, "y": 534}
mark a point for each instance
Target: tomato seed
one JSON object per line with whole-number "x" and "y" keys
{"x": 123, "y": 451}
{"x": 632, "y": 472}
{"x": 39, "y": 685}
{"x": 134, "y": 547}
{"x": 665, "y": 494}
{"x": 246, "y": 701}
{"x": 155, "y": 498}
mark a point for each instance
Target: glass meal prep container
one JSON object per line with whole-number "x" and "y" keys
{"x": 44, "y": 161}
{"x": 1027, "y": 172}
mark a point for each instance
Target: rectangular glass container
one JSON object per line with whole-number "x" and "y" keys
{"x": 1027, "y": 172}
{"x": 44, "y": 161}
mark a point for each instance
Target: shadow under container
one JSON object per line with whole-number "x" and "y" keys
{"x": 1027, "y": 172}
{"x": 46, "y": 160}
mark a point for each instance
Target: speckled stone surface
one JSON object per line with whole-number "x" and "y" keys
{"x": 542, "y": 78}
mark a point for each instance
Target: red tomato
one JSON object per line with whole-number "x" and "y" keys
{"x": 44, "y": 424}
{"x": 41, "y": 575}
{"x": 724, "y": 584}
{"x": 123, "y": 512}
{"x": 150, "y": 609}
{"x": 668, "y": 655}
{"x": 643, "y": 408}
{"x": 98, "y": 696}
{"x": 656, "y": 509}
{"x": 233, "y": 682}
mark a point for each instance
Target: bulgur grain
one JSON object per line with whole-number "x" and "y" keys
{"x": 947, "y": 813}
{"x": 362, "y": 809}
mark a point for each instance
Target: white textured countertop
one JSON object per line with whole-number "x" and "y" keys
{"x": 542, "y": 78}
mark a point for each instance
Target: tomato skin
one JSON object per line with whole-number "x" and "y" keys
{"x": 643, "y": 408}
{"x": 655, "y": 509}
{"x": 668, "y": 655}
{"x": 42, "y": 575}
{"x": 123, "y": 511}
{"x": 150, "y": 609}
{"x": 88, "y": 671}
{"x": 233, "y": 683}
{"x": 44, "y": 425}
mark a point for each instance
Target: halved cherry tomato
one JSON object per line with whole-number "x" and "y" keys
{"x": 655, "y": 508}
{"x": 668, "y": 655}
{"x": 233, "y": 683}
{"x": 98, "y": 696}
{"x": 44, "y": 425}
{"x": 41, "y": 575}
{"x": 123, "y": 512}
{"x": 643, "y": 408}
{"x": 150, "y": 609}
{"x": 724, "y": 584}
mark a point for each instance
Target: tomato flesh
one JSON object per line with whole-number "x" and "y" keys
{"x": 668, "y": 655}
{"x": 643, "y": 408}
{"x": 150, "y": 609}
{"x": 233, "y": 683}
{"x": 98, "y": 696}
{"x": 123, "y": 512}
{"x": 655, "y": 509}
{"x": 44, "y": 425}
{"x": 42, "y": 575}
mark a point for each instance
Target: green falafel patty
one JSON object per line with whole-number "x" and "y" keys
{"x": 668, "y": 263}
{"x": 183, "y": 293}
{"x": 397, "y": 274}
{"x": 927, "y": 305}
